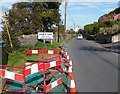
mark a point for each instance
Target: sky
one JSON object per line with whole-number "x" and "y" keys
{"x": 79, "y": 12}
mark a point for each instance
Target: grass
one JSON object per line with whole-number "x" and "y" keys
{"x": 67, "y": 41}
{"x": 17, "y": 58}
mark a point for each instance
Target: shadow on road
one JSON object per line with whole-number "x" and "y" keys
{"x": 98, "y": 49}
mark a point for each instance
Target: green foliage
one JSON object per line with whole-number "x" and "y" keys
{"x": 116, "y": 28}
{"x": 55, "y": 29}
{"x": 109, "y": 23}
{"x": 94, "y": 28}
{"x": 71, "y": 31}
{"x": 17, "y": 58}
{"x": 31, "y": 17}
{"x": 80, "y": 31}
{"x": 15, "y": 42}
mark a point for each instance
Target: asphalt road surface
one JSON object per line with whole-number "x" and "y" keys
{"x": 95, "y": 69}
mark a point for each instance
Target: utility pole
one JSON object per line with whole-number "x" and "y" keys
{"x": 74, "y": 25}
{"x": 65, "y": 19}
{"x": 58, "y": 30}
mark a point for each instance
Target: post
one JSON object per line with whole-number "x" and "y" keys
{"x": 51, "y": 42}
{"x": 8, "y": 31}
{"x": 44, "y": 40}
{"x": 65, "y": 19}
{"x": 58, "y": 31}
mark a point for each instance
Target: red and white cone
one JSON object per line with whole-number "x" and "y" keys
{"x": 72, "y": 85}
{"x": 70, "y": 71}
{"x": 67, "y": 58}
{"x": 70, "y": 62}
{"x": 66, "y": 52}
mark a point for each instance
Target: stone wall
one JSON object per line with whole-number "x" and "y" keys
{"x": 28, "y": 39}
{"x": 116, "y": 38}
{"x": 32, "y": 39}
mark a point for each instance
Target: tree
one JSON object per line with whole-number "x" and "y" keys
{"x": 116, "y": 28}
{"x": 80, "y": 31}
{"x": 31, "y": 17}
{"x": 55, "y": 29}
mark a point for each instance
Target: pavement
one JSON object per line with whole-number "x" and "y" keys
{"x": 95, "y": 69}
{"x": 112, "y": 47}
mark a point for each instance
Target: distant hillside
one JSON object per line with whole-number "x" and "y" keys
{"x": 110, "y": 15}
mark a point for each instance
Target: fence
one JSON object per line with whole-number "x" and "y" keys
{"x": 30, "y": 76}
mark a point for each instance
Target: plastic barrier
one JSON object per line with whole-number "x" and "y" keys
{"x": 11, "y": 75}
{"x": 36, "y": 67}
{"x": 53, "y": 84}
{"x": 54, "y": 62}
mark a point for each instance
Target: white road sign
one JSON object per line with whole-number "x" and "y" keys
{"x": 45, "y": 35}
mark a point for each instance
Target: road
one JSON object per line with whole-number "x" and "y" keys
{"x": 94, "y": 68}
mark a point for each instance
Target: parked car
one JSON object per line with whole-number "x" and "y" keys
{"x": 79, "y": 36}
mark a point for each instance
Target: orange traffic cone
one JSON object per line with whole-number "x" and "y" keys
{"x": 67, "y": 56}
{"x": 72, "y": 85}
{"x": 70, "y": 62}
{"x": 70, "y": 71}
{"x": 66, "y": 52}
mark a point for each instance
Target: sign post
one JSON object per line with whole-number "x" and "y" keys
{"x": 45, "y": 35}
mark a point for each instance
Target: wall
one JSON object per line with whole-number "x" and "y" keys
{"x": 116, "y": 38}
{"x": 32, "y": 39}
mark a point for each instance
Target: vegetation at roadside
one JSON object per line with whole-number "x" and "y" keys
{"x": 32, "y": 17}
{"x": 17, "y": 58}
{"x": 67, "y": 41}
{"x": 95, "y": 27}
{"x": 26, "y": 18}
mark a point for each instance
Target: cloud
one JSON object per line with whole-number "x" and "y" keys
{"x": 109, "y": 10}
{"x": 93, "y": 0}
{"x": 88, "y": 4}
{"x": 78, "y": 8}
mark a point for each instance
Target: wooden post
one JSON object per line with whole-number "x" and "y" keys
{"x": 51, "y": 42}
{"x": 44, "y": 40}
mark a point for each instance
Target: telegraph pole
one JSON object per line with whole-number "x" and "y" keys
{"x": 58, "y": 30}
{"x": 74, "y": 25}
{"x": 65, "y": 19}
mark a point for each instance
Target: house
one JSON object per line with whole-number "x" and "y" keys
{"x": 76, "y": 29}
{"x": 117, "y": 17}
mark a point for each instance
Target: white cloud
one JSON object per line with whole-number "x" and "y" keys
{"x": 77, "y": 8}
{"x": 109, "y": 10}
{"x": 93, "y": 0}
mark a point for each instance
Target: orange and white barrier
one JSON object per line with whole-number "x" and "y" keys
{"x": 11, "y": 75}
{"x": 34, "y": 68}
{"x": 41, "y": 52}
{"x": 53, "y": 84}
{"x": 37, "y": 67}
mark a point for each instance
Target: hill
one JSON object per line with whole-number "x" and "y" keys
{"x": 110, "y": 15}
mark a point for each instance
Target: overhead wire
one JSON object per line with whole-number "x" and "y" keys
{"x": 71, "y": 18}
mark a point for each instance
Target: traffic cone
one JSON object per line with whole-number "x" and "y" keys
{"x": 67, "y": 58}
{"x": 66, "y": 52}
{"x": 70, "y": 62}
{"x": 72, "y": 85}
{"x": 70, "y": 71}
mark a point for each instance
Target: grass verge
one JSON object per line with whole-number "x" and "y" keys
{"x": 17, "y": 58}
